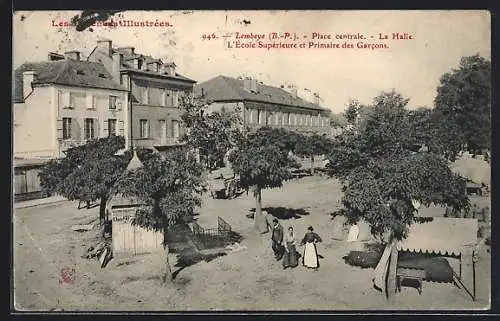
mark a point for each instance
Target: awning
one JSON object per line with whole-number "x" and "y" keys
{"x": 474, "y": 169}
{"x": 441, "y": 236}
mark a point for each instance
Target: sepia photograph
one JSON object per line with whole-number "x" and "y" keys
{"x": 251, "y": 161}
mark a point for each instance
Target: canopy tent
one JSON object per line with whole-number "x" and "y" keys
{"x": 449, "y": 237}
{"x": 474, "y": 169}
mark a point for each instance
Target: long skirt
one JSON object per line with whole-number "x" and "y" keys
{"x": 291, "y": 257}
{"x": 310, "y": 258}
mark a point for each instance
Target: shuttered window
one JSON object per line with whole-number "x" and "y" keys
{"x": 89, "y": 128}
{"x": 66, "y": 128}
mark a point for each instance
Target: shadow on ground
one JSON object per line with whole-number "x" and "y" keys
{"x": 282, "y": 213}
{"x": 188, "y": 258}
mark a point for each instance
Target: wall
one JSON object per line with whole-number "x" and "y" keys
{"x": 98, "y": 101}
{"x": 300, "y": 119}
{"x": 34, "y": 127}
{"x": 158, "y": 106}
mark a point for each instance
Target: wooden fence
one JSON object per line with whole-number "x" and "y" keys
{"x": 27, "y": 183}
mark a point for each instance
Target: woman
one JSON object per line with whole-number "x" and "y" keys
{"x": 290, "y": 259}
{"x": 310, "y": 258}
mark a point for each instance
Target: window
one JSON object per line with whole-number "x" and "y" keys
{"x": 175, "y": 98}
{"x": 260, "y": 116}
{"x": 112, "y": 102}
{"x": 139, "y": 63}
{"x": 144, "y": 128}
{"x": 89, "y": 129}
{"x": 111, "y": 127}
{"x": 66, "y": 128}
{"x": 175, "y": 128}
{"x": 163, "y": 129}
{"x": 72, "y": 100}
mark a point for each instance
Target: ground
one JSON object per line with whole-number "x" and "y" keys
{"x": 247, "y": 279}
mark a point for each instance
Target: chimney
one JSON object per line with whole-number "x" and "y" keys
{"x": 292, "y": 89}
{"x": 52, "y": 56}
{"x": 104, "y": 45}
{"x": 247, "y": 83}
{"x": 170, "y": 68}
{"x": 73, "y": 55}
{"x": 254, "y": 86}
{"x": 127, "y": 50}
{"x": 316, "y": 99}
{"x": 117, "y": 62}
{"x": 28, "y": 77}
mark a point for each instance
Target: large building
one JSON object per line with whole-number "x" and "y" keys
{"x": 64, "y": 102}
{"x": 155, "y": 90}
{"x": 57, "y": 104}
{"x": 263, "y": 105}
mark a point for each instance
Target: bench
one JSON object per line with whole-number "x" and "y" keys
{"x": 417, "y": 275}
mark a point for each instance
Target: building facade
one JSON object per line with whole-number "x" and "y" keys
{"x": 263, "y": 105}
{"x": 155, "y": 91}
{"x": 64, "y": 102}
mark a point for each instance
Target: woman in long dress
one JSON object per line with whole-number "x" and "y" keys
{"x": 290, "y": 259}
{"x": 310, "y": 258}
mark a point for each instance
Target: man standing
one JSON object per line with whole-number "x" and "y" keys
{"x": 277, "y": 238}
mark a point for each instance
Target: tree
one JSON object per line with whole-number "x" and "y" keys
{"x": 88, "y": 172}
{"x": 212, "y": 134}
{"x": 311, "y": 146}
{"x": 169, "y": 189}
{"x": 463, "y": 106}
{"x": 261, "y": 164}
{"x": 351, "y": 112}
{"x": 381, "y": 174}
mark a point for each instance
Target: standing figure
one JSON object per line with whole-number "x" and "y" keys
{"x": 290, "y": 258}
{"x": 277, "y": 239}
{"x": 310, "y": 258}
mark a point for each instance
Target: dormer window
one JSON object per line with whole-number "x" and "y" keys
{"x": 80, "y": 72}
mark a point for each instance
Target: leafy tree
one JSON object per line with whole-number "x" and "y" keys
{"x": 261, "y": 163}
{"x": 212, "y": 134}
{"x": 351, "y": 112}
{"x": 169, "y": 189}
{"x": 382, "y": 175}
{"x": 311, "y": 146}
{"x": 463, "y": 104}
{"x": 88, "y": 172}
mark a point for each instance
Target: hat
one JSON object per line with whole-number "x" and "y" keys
{"x": 310, "y": 228}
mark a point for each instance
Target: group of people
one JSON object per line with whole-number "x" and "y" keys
{"x": 284, "y": 245}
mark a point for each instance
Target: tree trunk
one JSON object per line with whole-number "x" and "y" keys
{"x": 258, "y": 199}
{"x": 312, "y": 165}
{"x": 102, "y": 209}
{"x": 166, "y": 270}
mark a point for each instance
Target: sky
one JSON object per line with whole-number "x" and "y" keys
{"x": 411, "y": 67}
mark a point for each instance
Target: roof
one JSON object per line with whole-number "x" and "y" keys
{"x": 441, "y": 236}
{"x": 152, "y": 73}
{"x": 223, "y": 88}
{"x": 64, "y": 72}
{"x": 128, "y": 65}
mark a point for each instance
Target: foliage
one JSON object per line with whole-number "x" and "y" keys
{"x": 463, "y": 103}
{"x": 212, "y": 134}
{"x": 262, "y": 159}
{"x": 382, "y": 174}
{"x": 169, "y": 187}
{"x": 351, "y": 112}
{"x": 88, "y": 172}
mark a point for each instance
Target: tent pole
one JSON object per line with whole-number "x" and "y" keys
{"x": 473, "y": 277}
{"x": 460, "y": 258}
